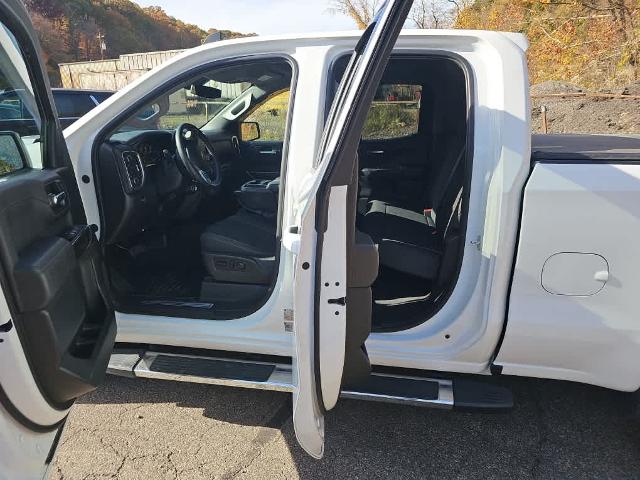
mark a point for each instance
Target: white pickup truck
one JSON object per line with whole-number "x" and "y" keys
{"x": 334, "y": 216}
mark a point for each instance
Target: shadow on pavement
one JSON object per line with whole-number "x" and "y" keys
{"x": 557, "y": 430}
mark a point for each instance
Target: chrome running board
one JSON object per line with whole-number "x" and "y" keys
{"x": 399, "y": 389}
{"x": 215, "y": 371}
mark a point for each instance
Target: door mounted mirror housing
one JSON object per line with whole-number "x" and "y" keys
{"x": 249, "y": 131}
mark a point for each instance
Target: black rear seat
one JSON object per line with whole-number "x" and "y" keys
{"x": 415, "y": 242}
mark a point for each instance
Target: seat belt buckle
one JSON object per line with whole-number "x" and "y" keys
{"x": 430, "y": 216}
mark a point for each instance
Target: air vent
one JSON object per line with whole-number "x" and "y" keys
{"x": 134, "y": 170}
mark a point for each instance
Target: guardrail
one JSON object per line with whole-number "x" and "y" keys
{"x": 586, "y": 94}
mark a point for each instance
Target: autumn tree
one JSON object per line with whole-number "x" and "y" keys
{"x": 593, "y": 43}
{"x": 424, "y": 13}
{"x": 361, "y": 11}
{"x": 431, "y": 14}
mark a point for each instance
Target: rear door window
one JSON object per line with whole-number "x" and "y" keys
{"x": 394, "y": 112}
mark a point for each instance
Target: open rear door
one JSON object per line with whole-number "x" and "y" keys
{"x": 57, "y": 326}
{"x": 336, "y": 265}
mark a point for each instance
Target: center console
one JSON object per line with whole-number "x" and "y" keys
{"x": 260, "y": 196}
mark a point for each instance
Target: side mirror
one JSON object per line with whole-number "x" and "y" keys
{"x": 249, "y": 131}
{"x": 12, "y": 153}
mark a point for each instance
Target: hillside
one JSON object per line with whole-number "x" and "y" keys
{"x": 591, "y": 43}
{"x": 72, "y": 30}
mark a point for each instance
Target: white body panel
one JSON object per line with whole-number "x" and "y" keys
{"x": 332, "y": 319}
{"x": 24, "y": 451}
{"x": 587, "y": 329}
{"x": 473, "y": 317}
{"x": 308, "y": 417}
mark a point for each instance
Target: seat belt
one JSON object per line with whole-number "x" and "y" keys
{"x": 431, "y": 213}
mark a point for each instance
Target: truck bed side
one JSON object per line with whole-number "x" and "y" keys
{"x": 572, "y": 311}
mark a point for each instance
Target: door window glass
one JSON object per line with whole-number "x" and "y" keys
{"x": 271, "y": 117}
{"x": 72, "y": 105}
{"x": 218, "y": 101}
{"x": 20, "y": 121}
{"x": 394, "y": 112}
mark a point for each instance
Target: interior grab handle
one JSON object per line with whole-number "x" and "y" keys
{"x": 58, "y": 200}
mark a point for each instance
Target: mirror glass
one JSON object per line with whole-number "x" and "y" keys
{"x": 249, "y": 131}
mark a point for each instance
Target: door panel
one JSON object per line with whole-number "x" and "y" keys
{"x": 261, "y": 159}
{"x": 51, "y": 268}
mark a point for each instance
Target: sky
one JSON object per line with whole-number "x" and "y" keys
{"x": 263, "y": 17}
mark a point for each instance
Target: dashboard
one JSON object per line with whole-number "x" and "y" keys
{"x": 141, "y": 186}
{"x": 148, "y": 144}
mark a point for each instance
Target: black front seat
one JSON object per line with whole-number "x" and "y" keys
{"x": 240, "y": 248}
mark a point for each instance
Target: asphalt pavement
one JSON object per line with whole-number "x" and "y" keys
{"x": 153, "y": 429}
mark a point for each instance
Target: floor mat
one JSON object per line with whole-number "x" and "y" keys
{"x": 167, "y": 284}
{"x": 400, "y": 300}
{"x": 172, "y": 270}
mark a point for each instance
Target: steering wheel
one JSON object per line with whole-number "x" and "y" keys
{"x": 196, "y": 156}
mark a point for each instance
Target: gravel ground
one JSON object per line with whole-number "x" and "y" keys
{"x": 143, "y": 429}
{"x": 585, "y": 114}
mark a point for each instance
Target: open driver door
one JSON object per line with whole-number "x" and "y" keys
{"x": 57, "y": 325}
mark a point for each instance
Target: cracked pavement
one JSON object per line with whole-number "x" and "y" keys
{"x": 152, "y": 429}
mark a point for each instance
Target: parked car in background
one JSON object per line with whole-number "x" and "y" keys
{"x": 71, "y": 105}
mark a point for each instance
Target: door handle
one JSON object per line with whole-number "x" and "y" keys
{"x": 268, "y": 152}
